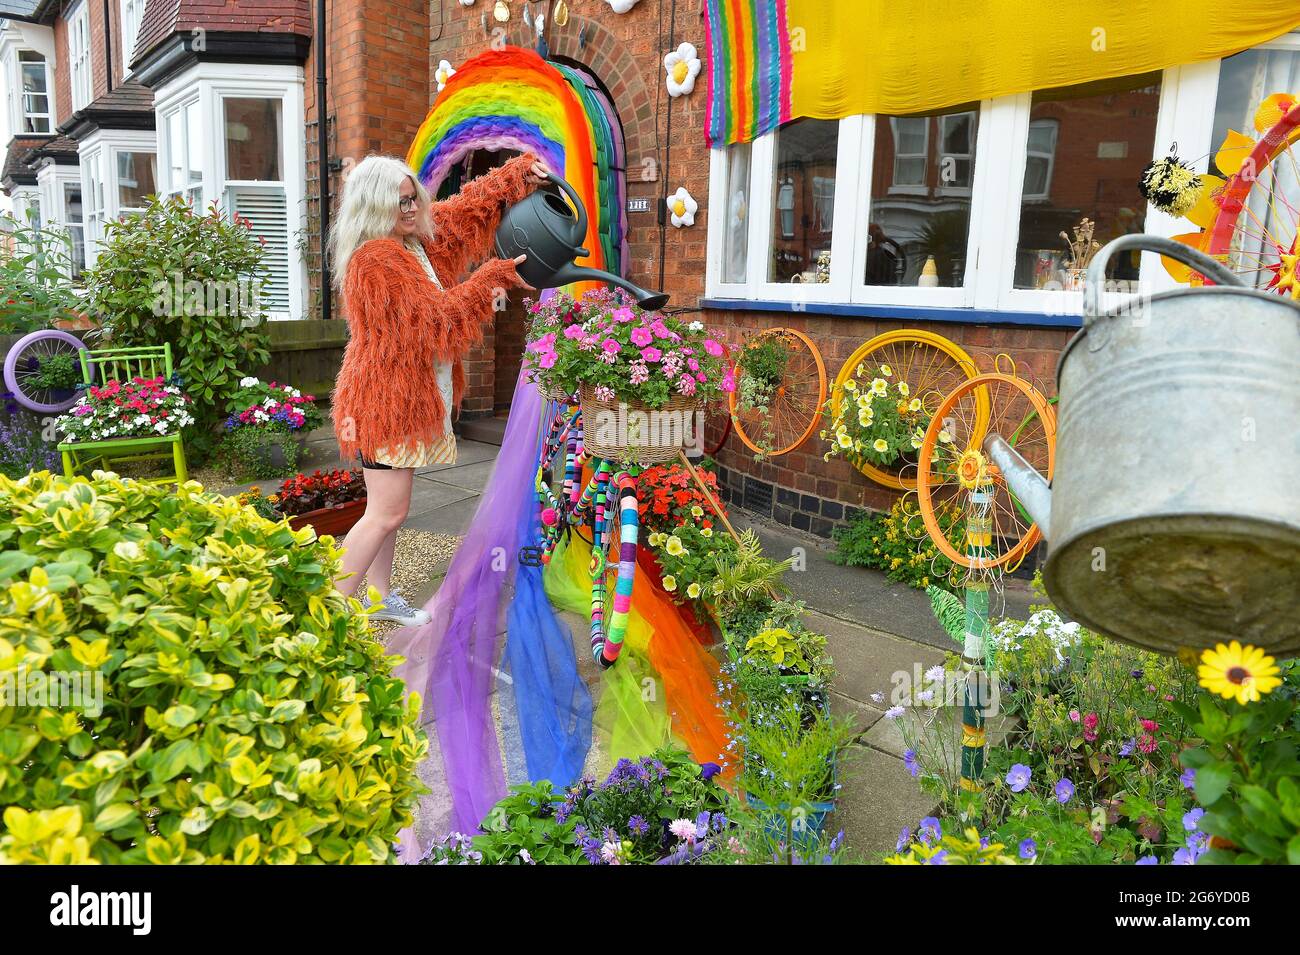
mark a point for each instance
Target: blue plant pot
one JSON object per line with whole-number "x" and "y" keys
{"x": 808, "y": 833}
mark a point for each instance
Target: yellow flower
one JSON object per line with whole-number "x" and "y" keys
{"x": 850, "y": 385}
{"x": 656, "y": 539}
{"x": 864, "y": 418}
{"x": 914, "y": 404}
{"x": 718, "y": 587}
{"x": 903, "y": 389}
{"x": 900, "y": 407}
{"x": 916, "y": 443}
{"x": 880, "y": 445}
{"x": 844, "y": 440}
{"x": 697, "y": 511}
{"x": 860, "y": 371}
{"x": 822, "y": 434}
{"x": 878, "y": 386}
{"x": 670, "y": 583}
{"x": 945, "y": 436}
{"x": 864, "y": 402}
{"x": 675, "y": 546}
{"x": 1237, "y": 671}
{"x": 826, "y": 456}
{"x": 886, "y": 370}
{"x": 706, "y": 531}
{"x": 693, "y": 591}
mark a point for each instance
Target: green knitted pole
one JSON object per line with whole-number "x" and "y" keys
{"x": 979, "y": 538}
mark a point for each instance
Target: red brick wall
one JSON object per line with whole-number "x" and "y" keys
{"x": 62, "y": 82}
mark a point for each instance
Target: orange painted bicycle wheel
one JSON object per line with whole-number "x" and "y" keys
{"x": 952, "y": 462}
{"x": 796, "y": 403}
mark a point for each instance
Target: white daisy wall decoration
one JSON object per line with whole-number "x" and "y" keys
{"x": 443, "y": 73}
{"x": 621, "y": 6}
{"x": 682, "y": 66}
{"x": 682, "y": 207}
{"x": 467, "y": 3}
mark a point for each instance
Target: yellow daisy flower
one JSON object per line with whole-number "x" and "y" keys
{"x": 706, "y": 531}
{"x": 844, "y": 440}
{"x": 914, "y": 404}
{"x": 693, "y": 591}
{"x": 675, "y": 546}
{"x": 879, "y": 386}
{"x": 880, "y": 445}
{"x": 1236, "y": 671}
{"x": 670, "y": 583}
{"x": 886, "y": 370}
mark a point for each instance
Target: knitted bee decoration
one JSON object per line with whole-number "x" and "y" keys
{"x": 1170, "y": 185}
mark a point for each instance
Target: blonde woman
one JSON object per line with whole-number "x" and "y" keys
{"x": 399, "y": 260}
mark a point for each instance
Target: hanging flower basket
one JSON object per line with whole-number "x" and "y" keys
{"x": 630, "y": 430}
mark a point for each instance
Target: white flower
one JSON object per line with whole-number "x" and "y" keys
{"x": 935, "y": 673}
{"x": 683, "y": 829}
{"x": 127, "y": 550}
{"x": 682, "y": 207}
{"x": 443, "y": 73}
{"x": 621, "y": 6}
{"x": 696, "y": 326}
{"x": 682, "y": 66}
{"x": 248, "y": 382}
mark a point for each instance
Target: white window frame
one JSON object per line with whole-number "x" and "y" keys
{"x": 1049, "y": 155}
{"x": 79, "y": 62}
{"x": 101, "y": 200}
{"x": 208, "y": 85}
{"x": 24, "y": 114}
{"x": 944, "y": 120}
{"x": 1185, "y": 115}
{"x": 132, "y": 12}
{"x": 910, "y": 188}
{"x": 52, "y": 180}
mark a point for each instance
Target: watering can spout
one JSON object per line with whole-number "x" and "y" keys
{"x": 1028, "y": 485}
{"x": 650, "y": 301}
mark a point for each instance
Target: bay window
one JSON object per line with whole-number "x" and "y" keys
{"x": 964, "y": 208}
{"x": 118, "y": 174}
{"x": 79, "y": 55}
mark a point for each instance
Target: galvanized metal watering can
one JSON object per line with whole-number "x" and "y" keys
{"x": 1174, "y": 516}
{"x": 543, "y": 227}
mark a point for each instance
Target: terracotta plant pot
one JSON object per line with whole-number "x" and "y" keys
{"x": 330, "y": 520}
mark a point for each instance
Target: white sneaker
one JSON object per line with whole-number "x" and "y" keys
{"x": 394, "y": 608}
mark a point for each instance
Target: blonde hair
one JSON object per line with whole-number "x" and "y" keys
{"x": 370, "y": 207}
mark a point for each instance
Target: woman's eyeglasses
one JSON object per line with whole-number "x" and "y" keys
{"x": 407, "y": 203}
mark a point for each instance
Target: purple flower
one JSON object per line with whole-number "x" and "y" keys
{"x": 1147, "y": 860}
{"x": 929, "y": 830}
{"x": 1127, "y": 748}
{"x": 1186, "y": 856}
{"x": 638, "y": 825}
{"x": 904, "y": 838}
{"x": 1018, "y": 777}
{"x": 1192, "y": 818}
{"x": 909, "y": 760}
{"x": 1028, "y": 849}
{"x": 1188, "y": 778}
{"x": 939, "y": 858}
{"x": 709, "y": 770}
{"x": 1064, "y": 791}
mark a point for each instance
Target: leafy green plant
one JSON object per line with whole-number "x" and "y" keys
{"x": 761, "y": 368}
{"x": 251, "y": 453}
{"x": 23, "y": 448}
{"x": 898, "y": 544}
{"x": 967, "y": 849}
{"x": 1247, "y": 776}
{"x": 171, "y": 274}
{"x": 874, "y": 419}
{"x": 36, "y": 268}
{"x": 57, "y": 371}
{"x": 244, "y": 712}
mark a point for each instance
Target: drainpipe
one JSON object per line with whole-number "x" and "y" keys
{"x": 108, "y": 48}
{"x": 668, "y": 152}
{"x": 322, "y": 162}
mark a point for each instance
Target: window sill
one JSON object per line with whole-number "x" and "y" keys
{"x": 919, "y": 313}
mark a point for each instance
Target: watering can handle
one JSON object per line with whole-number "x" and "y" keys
{"x": 1210, "y": 268}
{"x": 578, "y": 207}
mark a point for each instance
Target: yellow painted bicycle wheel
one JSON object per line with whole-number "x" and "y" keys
{"x": 932, "y": 366}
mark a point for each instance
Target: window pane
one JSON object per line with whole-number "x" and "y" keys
{"x": 805, "y": 176}
{"x": 194, "y": 141}
{"x": 175, "y": 152}
{"x": 735, "y": 238}
{"x": 135, "y": 179}
{"x": 1266, "y": 227}
{"x": 1088, "y": 146}
{"x": 253, "y": 139}
{"x": 920, "y": 204}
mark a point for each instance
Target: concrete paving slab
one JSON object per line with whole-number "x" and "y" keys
{"x": 878, "y": 801}
{"x": 473, "y": 477}
{"x": 869, "y": 661}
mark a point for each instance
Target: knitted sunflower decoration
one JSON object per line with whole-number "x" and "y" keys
{"x": 1170, "y": 185}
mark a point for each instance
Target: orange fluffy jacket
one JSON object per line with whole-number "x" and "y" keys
{"x": 400, "y": 323}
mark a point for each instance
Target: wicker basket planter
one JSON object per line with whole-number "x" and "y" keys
{"x": 554, "y": 393}
{"x": 647, "y": 448}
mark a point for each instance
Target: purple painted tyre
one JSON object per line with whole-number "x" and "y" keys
{"x": 23, "y": 362}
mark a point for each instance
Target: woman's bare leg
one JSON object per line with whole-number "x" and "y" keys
{"x": 388, "y": 495}
{"x": 381, "y": 568}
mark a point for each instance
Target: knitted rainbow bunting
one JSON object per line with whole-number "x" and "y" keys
{"x": 513, "y": 99}
{"x": 749, "y": 69}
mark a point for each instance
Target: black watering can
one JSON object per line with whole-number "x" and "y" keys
{"x": 544, "y": 228}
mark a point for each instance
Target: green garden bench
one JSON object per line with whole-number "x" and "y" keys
{"x": 123, "y": 364}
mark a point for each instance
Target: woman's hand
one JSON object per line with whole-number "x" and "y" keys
{"x": 538, "y": 173}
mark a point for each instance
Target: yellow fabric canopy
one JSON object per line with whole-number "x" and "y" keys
{"x": 869, "y": 56}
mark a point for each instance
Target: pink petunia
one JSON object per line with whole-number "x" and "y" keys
{"x": 713, "y": 348}
{"x": 686, "y": 385}
{"x": 641, "y": 337}
{"x": 692, "y": 364}
{"x": 574, "y": 331}
{"x": 651, "y": 354}
{"x": 660, "y": 330}
{"x": 728, "y": 383}
{"x": 624, "y": 314}
{"x": 611, "y": 346}
{"x": 548, "y": 359}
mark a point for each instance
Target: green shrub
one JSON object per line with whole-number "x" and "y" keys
{"x": 247, "y": 714}
{"x": 168, "y": 274}
{"x": 898, "y": 544}
{"x": 36, "y": 289}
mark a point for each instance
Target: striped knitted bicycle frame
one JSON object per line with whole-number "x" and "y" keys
{"x": 629, "y": 523}
{"x": 601, "y": 482}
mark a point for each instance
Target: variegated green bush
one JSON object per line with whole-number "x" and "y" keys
{"x": 247, "y": 714}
